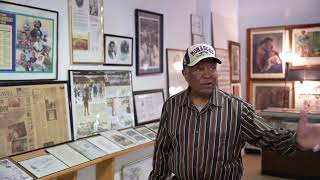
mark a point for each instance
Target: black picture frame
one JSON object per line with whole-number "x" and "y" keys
{"x": 32, "y": 39}
{"x": 118, "y": 50}
{"x": 149, "y": 42}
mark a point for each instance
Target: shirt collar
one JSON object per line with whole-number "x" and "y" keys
{"x": 215, "y": 99}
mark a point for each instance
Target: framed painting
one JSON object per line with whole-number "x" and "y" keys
{"x": 29, "y": 43}
{"x": 305, "y": 42}
{"x": 272, "y": 94}
{"x": 175, "y": 79}
{"x": 118, "y": 50}
{"x": 86, "y": 31}
{"x": 139, "y": 169}
{"x": 236, "y": 89}
{"x": 100, "y": 100}
{"x": 234, "y": 55}
{"x": 265, "y": 45}
{"x": 148, "y": 105}
{"x": 149, "y": 42}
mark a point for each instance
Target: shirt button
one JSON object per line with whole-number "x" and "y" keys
{"x": 197, "y": 132}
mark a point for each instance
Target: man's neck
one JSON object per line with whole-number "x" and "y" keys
{"x": 199, "y": 100}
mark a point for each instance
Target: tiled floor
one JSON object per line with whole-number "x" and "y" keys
{"x": 252, "y": 168}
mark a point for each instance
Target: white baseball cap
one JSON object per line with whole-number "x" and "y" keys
{"x": 198, "y": 52}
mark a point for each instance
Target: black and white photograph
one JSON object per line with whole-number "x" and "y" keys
{"x": 118, "y": 50}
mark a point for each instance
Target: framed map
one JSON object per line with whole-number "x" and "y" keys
{"x": 101, "y": 100}
{"x": 32, "y": 116}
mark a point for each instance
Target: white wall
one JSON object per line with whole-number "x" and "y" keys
{"x": 253, "y": 13}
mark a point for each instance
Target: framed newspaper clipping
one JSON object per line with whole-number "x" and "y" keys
{"x": 29, "y": 42}
{"x": 148, "y": 105}
{"x": 86, "y": 31}
{"x": 32, "y": 116}
{"x": 101, "y": 100}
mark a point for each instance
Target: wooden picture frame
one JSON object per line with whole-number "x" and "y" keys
{"x": 30, "y": 43}
{"x": 148, "y": 105}
{"x": 175, "y": 80}
{"x": 118, "y": 50}
{"x": 149, "y": 42}
{"x": 234, "y": 56}
{"x": 264, "y": 46}
{"x": 236, "y": 89}
{"x": 86, "y": 31}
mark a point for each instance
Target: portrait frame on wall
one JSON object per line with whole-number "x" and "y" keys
{"x": 175, "y": 79}
{"x": 234, "y": 56}
{"x": 149, "y": 42}
{"x": 148, "y": 105}
{"x": 264, "y": 47}
{"x": 139, "y": 169}
{"x": 118, "y": 50}
{"x": 86, "y": 31}
{"x": 275, "y": 94}
{"x": 304, "y": 43}
{"x": 30, "y": 48}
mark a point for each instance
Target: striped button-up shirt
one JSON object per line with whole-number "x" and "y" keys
{"x": 207, "y": 144}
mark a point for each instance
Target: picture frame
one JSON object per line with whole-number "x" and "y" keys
{"x": 148, "y": 105}
{"x": 223, "y": 70}
{"x": 236, "y": 89}
{"x": 30, "y": 37}
{"x": 197, "y": 39}
{"x": 196, "y": 22}
{"x": 86, "y": 31}
{"x": 149, "y": 42}
{"x": 100, "y": 100}
{"x": 307, "y": 95}
{"x": 118, "y": 50}
{"x": 304, "y": 42}
{"x": 139, "y": 169}
{"x": 42, "y": 105}
{"x": 234, "y": 55}
{"x": 264, "y": 47}
{"x": 175, "y": 80}
{"x": 273, "y": 94}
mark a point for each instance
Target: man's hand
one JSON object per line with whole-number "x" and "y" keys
{"x": 308, "y": 134}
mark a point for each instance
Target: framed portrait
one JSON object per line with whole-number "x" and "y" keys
{"x": 149, "y": 42}
{"x": 29, "y": 43}
{"x": 100, "y": 100}
{"x": 272, "y": 94}
{"x": 236, "y": 89}
{"x": 86, "y": 31}
{"x": 175, "y": 79}
{"x": 139, "y": 169}
{"x": 196, "y": 24}
{"x": 118, "y": 50}
{"x": 305, "y": 42}
{"x": 148, "y": 105}
{"x": 29, "y": 112}
{"x": 265, "y": 45}
{"x": 234, "y": 55}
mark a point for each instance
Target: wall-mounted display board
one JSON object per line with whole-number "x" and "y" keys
{"x": 86, "y": 31}
{"x": 101, "y": 100}
{"x": 33, "y": 116}
{"x": 29, "y": 41}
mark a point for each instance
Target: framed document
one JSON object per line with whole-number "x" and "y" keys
{"x": 28, "y": 114}
{"x": 234, "y": 55}
{"x": 10, "y": 171}
{"x": 175, "y": 79}
{"x": 86, "y": 24}
{"x": 223, "y": 70}
{"x": 149, "y": 42}
{"x": 153, "y": 126}
{"x": 104, "y": 144}
{"x": 138, "y": 169}
{"x": 146, "y": 132}
{"x": 87, "y": 149}
{"x": 118, "y": 50}
{"x": 43, "y": 165}
{"x": 197, "y": 39}
{"x": 307, "y": 95}
{"x": 101, "y": 100}
{"x": 132, "y": 133}
{"x": 120, "y": 139}
{"x": 148, "y": 105}
{"x": 196, "y": 24}
{"x": 29, "y": 42}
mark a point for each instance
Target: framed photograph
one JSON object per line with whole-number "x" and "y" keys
{"x": 234, "y": 55}
{"x": 272, "y": 94}
{"x": 148, "y": 105}
{"x": 307, "y": 95}
{"x": 175, "y": 80}
{"x": 196, "y": 24}
{"x": 264, "y": 46}
{"x": 118, "y": 50}
{"x": 100, "y": 100}
{"x": 29, "y": 43}
{"x": 305, "y": 42}
{"x": 236, "y": 89}
{"x": 137, "y": 170}
{"x": 31, "y": 110}
{"x": 197, "y": 39}
{"x": 86, "y": 31}
{"x": 149, "y": 42}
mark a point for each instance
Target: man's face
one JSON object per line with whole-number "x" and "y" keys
{"x": 201, "y": 77}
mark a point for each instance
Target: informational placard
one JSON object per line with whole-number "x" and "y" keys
{"x": 10, "y": 171}
{"x": 137, "y": 170}
{"x": 223, "y": 70}
{"x": 307, "y": 95}
{"x": 153, "y": 126}
{"x": 33, "y": 116}
{"x": 87, "y": 149}
{"x": 147, "y": 132}
{"x": 120, "y": 139}
{"x": 104, "y": 144}
{"x": 132, "y": 133}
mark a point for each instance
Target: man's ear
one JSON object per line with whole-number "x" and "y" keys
{"x": 185, "y": 74}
